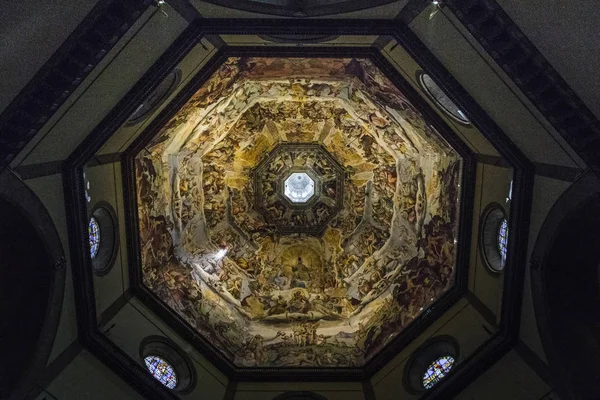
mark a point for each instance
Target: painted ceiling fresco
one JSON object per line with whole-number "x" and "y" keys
{"x": 299, "y": 188}
{"x": 270, "y": 297}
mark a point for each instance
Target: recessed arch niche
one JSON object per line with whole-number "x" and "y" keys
{"x": 492, "y": 218}
{"x": 565, "y": 286}
{"x": 32, "y": 278}
{"x": 296, "y": 9}
{"x": 301, "y": 395}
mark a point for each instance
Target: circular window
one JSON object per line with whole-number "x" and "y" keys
{"x": 168, "y": 364}
{"x": 161, "y": 370}
{"x": 299, "y": 187}
{"x": 299, "y": 396}
{"x": 155, "y": 98}
{"x": 503, "y": 238}
{"x": 440, "y": 98}
{"x": 94, "y": 234}
{"x": 437, "y": 370}
{"x": 300, "y": 9}
{"x": 430, "y": 363}
{"x": 102, "y": 235}
{"x": 493, "y": 237}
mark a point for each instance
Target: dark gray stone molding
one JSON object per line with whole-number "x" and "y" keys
{"x": 500, "y": 36}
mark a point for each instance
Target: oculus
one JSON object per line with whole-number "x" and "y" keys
{"x": 493, "y": 239}
{"x": 300, "y": 9}
{"x": 168, "y": 364}
{"x": 299, "y": 187}
{"x": 327, "y": 281}
{"x": 299, "y": 396}
{"x": 161, "y": 370}
{"x": 437, "y": 370}
{"x": 94, "y": 234}
{"x": 155, "y": 98}
{"x": 103, "y": 239}
{"x": 430, "y": 363}
{"x": 440, "y": 98}
{"x": 503, "y": 239}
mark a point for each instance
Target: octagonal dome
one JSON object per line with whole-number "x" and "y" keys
{"x": 299, "y": 188}
{"x": 266, "y": 297}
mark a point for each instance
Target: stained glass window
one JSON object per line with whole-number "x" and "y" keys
{"x": 162, "y": 371}
{"x": 503, "y": 238}
{"x": 437, "y": 370}
{"x": 509, "y": 198}
{"x": 94, "y": 233}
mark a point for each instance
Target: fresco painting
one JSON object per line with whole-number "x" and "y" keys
{"x": 332, "y": 297}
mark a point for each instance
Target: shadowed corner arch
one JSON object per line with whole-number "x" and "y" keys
{"x": 32, "y": 282}
{"x": 302, "y": 395}
{"x": 301, "y": 9}
{"x": 565, "y": 284}
{"x": 491, "y": 218}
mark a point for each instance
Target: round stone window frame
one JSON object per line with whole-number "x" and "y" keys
{"x": 299, "y": 395}
{"x": 422, "y": 358}
{"x": 174, "y": 355}
{"x": 105, "y": 258}
{"x": 319, "y": 8}
{"x": 176, "y": 73}
{"x": 489, "y": 225}
{"x": 463, "y": 120}
{"x": 168, "y": 378}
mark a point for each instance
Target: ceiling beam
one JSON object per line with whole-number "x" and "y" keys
{"x": 500, "y": 36}
{"x": 368, "y": 390}
{"x": 534, "y": 362}
{"x": 412, "y": 9}
{"x": 68, "y": 67}
{"x": 185, "y": 9}
{"x": 560, "y": 172}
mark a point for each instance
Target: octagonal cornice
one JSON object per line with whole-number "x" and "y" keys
{"x": 315, "y": 191}
{"x": 117, "y": 360}
{"x": 410, "y": 332}
{"x": 283, "y": 224}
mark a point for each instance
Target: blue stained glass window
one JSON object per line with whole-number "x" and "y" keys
{"x": 162, "y": 371}
{"x": 503, "y": 238}
{"x": 437, "y": 370}
{"x": 94, "y": 234}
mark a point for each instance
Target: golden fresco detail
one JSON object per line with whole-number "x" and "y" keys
{"x": 266, "y": 296}
{"x": 291, "y": 160}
